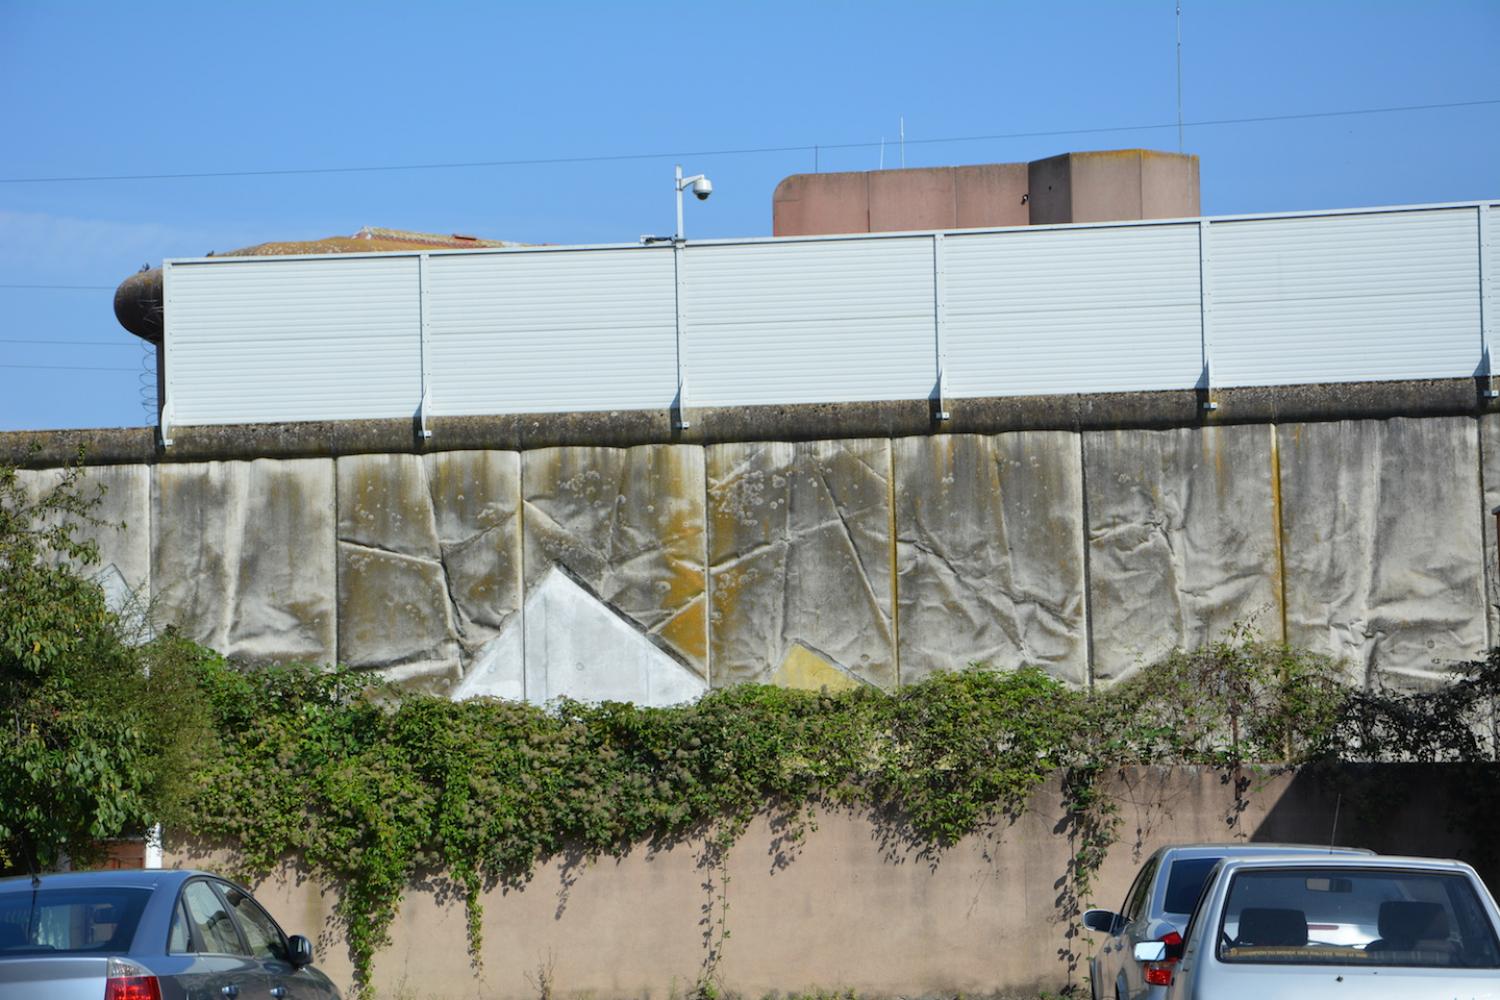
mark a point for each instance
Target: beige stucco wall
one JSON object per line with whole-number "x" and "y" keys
{"x": 853, "y": 906}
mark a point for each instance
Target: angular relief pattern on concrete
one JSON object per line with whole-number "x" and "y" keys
{"x": 1382, "y": 520}
{"x": 122, "y": 531}
{"x": 800, "y": 553}
{"x": 1489, "y": 445}
{"x": 429, "y": 561}
{"x": 1182, "y": 540}
{"x": 579, "y": 648}
{"x": 989, "y": 553}
{"x": 243, "y": 556}
{"x": 627, "y": 525}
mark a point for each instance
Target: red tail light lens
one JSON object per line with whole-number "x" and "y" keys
{"x": 125, "y": 980}
{"x": 1160, "y": 973}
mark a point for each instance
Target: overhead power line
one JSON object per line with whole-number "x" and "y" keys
{"x": 71, "y": 343}
{"x": 743, "y": 151}
{"x": 71, "y": 368}
{"x": 71, "y": 288}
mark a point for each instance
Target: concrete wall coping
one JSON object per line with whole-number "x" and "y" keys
{"x": 799, "y": 422}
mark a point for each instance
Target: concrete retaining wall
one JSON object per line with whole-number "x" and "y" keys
{"x": 597, "y": 571}
{"x": 853, "y": 906}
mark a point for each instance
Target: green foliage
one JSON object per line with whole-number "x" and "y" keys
{"x": 85, "y": 755}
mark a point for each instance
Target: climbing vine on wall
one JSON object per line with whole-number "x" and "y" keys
{"x": 372, "y": 789}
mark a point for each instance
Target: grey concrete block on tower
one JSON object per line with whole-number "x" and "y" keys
{"x": 243, "y": 556}
{"x": 1113, "y": 184}
{"x": 1182, "y": 541}
{"x": 800, "y": 556}
{"x": 989, "y": 553}
{"x": 1382, "y": 520}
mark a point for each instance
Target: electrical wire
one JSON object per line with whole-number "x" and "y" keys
{"x": 744, "y": 151}
{"x": 87, "y": 343}
{"x": 70, "y": 368}
{"x": 71, "y": 288}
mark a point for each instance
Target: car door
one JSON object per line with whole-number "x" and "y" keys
{"x": 1116, "y": 948}
{"x": 268, "y": 947}
{"x": 221, "y": 966}
{"x": 1136, "y": 918}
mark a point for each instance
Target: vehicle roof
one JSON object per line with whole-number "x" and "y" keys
{"x": 1322, "y": 859}
{"x": 143, "y": 878}
{"x": 1241, "y": 849}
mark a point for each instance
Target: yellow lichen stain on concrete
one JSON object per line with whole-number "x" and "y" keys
{"x": 805, "y": 670}
{"x": 687, "y": 631}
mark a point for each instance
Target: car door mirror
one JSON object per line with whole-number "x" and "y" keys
{"x": 300, "y": 949}
{"x": 1103, "y": 921}
{"x": 1151, "y": 951}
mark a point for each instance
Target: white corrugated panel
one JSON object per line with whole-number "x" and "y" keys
{"x": 1072, "y": 310}
{"x": 809, "y": 322}
{"x": 272, "y": 340}
{"x": 1345, "y": 298}
{"x": 552, "y": 331}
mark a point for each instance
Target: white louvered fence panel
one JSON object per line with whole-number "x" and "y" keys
{"x": 1346, "y": 298}
{"x": 809, "y": 322}
{"x": 1072, "y": 310}
{"x": 299, "y": 339}
{"x": 552, "y": 331}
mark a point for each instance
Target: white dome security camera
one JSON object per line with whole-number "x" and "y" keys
{"x": 702, "y": 188}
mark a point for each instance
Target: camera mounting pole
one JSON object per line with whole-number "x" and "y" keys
{"x": 701, "y": 186}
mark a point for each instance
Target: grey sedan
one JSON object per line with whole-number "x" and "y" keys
{"x": 147, "y": 935}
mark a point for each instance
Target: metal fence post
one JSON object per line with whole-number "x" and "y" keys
{"x": 1486, "y": 301}
{"x": 679, "y": 405}
{"x": 939, "y": 318}
{"x": 1206, "y": 311}
{"x": 425, "y": 333}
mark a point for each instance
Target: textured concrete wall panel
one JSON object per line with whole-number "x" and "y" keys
{"x": 1182, "y": 540}
{"x": 1382, "y": 525}
{"x": 629, "y": 525}
{"x": 800, "y": 552}
{"x": 989, "y": 553}
{"x": 429, "y": 556}
{"x": 1489, "y": 444}
{"x": 123, "y": 534}
{"x": 243, "y": 556}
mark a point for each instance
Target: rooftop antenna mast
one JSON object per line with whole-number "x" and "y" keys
{"x": 1179, "y": 76}
{"x": 901, "y": 125}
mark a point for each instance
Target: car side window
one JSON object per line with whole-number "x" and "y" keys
{"x": 261, "y": 932}
{"x": 211, "y": 926}
{"x": 1140, "y": 892}
{"x": 179, "y": 941}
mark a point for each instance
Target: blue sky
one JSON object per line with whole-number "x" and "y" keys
{"x": 206, "y": 87}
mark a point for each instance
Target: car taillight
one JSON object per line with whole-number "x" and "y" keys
{"x": 1160, "y": 973}
{"x": 124, "y": 980}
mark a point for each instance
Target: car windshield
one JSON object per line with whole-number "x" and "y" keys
{"x": 79, "y": 920}
{"x": 1348, "y": 916}
{"x": 1185, "y": 883}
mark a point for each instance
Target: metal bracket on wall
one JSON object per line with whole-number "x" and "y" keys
{"x": 164, "y": 425}
{"x": 422, "y": 408}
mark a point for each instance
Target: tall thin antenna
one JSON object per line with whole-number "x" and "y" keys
{"x": 1179, "y": 76}
{"x": 901, "y": 124}
{"x": 1333, "y": 836}
{"x": 882, "y": 152}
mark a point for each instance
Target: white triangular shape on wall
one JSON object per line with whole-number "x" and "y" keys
{"x": 568, "y": 643}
